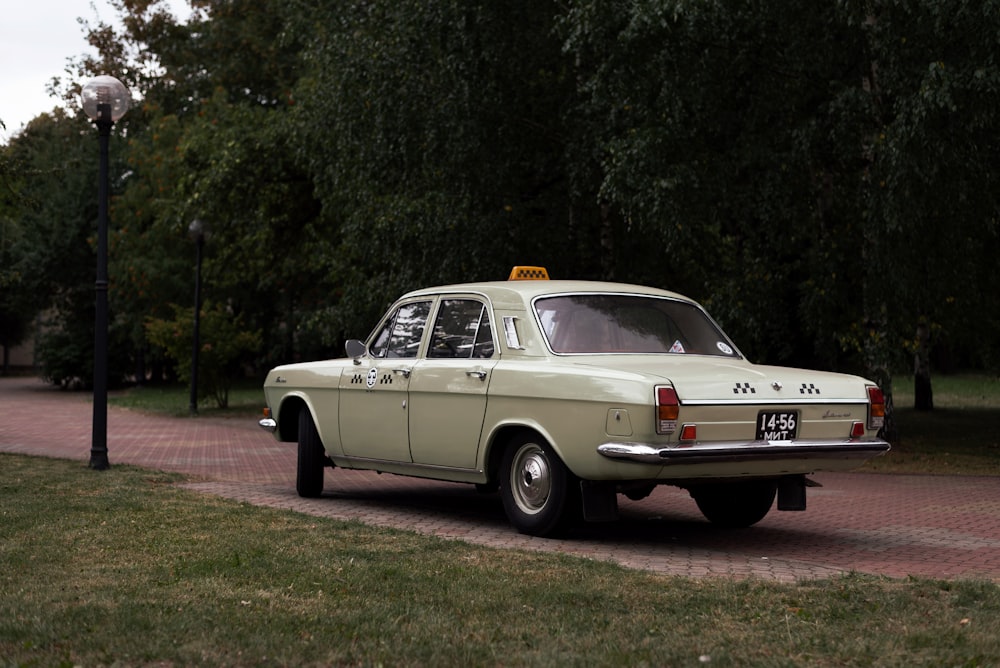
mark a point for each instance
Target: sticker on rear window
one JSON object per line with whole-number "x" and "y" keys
{"x": 724, "y": 347}
{"x": 678, "y": 347}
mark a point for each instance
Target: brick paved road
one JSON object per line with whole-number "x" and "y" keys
{"x": 930, "y": 526}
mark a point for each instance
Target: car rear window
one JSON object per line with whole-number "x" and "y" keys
{"x": 602, "y": 324}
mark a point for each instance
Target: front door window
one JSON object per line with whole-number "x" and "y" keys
{"x": 400, "y": 335}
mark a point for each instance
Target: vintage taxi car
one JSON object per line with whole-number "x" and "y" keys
{"x": 564, "y": 394}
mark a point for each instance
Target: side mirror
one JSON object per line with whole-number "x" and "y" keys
{"x": 355, "y": 348}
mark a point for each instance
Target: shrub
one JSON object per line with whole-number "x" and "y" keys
{"x": 224, "y": 346}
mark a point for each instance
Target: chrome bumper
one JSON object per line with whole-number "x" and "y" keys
{"x": 268, "y": 425}
{"x": 750, "y": 451}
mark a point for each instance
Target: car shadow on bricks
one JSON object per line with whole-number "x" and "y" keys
{"x": 423, "y": 502}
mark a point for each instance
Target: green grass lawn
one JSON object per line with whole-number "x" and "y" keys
{"x": 960, "y": 436}
{"x": 124, "y": 568}
{"x": 245, "y": 397}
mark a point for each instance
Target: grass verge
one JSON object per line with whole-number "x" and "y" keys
{"x": 245, "y": 398}
{"x": 958, "y": 437}
{"x": 124, "y": 568}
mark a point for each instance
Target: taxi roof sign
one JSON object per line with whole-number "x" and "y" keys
{"x": 525, "y": 273}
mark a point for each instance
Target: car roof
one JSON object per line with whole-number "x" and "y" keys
{"x": 517, "y": 294}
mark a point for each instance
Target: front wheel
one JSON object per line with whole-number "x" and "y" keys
{"x": 539, "y": 493}
{"x": 737, "y": 504}
{"x": 312, "y": 458}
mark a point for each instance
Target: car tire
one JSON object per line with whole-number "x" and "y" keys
{"x": 539, "y": 494}
{"x": 312, "y": 458}
{"x": 735, "y": 505}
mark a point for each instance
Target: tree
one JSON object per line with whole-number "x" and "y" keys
{"x": 433, "y": 133}
{"x": 225, "y": 73}
{"x": 728, "y": 141}
{"x": 933, "y": 183}
{"x": 18, "y": 304}
{"x": 56, "y": 211}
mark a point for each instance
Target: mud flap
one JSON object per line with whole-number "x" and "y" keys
{"x": 600, "y": 501}
{"x": 792, "y": 492}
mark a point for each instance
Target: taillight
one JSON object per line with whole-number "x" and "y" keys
{"x": 876, "y": 408}
{"x": 667, "y": 410}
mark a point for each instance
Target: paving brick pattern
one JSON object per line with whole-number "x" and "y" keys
{"x": 897, "y": 526}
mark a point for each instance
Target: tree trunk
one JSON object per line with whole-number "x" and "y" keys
{"x": 923, "y": 397}
{"x": 607, "y": 240}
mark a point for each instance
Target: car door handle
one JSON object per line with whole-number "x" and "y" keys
{"x": 476, "y": 373}
{"x": 402, "y": 371}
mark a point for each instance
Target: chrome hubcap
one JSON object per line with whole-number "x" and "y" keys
{"x": 531, "y": 478}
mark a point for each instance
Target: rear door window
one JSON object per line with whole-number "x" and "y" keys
{"x": 461, "y": 331}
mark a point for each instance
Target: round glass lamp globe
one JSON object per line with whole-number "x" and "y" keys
{"x": 105, "y": 90}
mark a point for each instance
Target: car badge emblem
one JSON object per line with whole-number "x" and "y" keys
{"x": 776, "y": 385}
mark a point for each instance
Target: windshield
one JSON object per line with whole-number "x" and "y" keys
{"x": 602, "y": 323}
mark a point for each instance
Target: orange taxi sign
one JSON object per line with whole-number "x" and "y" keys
{"x": 525, "y": 273}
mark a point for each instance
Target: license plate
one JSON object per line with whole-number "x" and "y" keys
{"x": 777, "y": 426}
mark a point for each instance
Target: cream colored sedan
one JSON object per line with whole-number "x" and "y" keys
{"x": 564, "y": 394}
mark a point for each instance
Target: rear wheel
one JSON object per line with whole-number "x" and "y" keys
{"x": 736, "y": 504}
{"x": 312, "y": 458}
{"x": 539, "y": 494}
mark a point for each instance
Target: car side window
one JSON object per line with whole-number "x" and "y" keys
{"x": 400, "y": 335}
{"x": 461, "y": 331}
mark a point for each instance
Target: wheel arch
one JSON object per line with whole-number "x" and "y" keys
{"x": 288, "y": 417}
{"x": 501, "y": 436}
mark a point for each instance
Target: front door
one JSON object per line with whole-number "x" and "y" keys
{"x": 374, "y": 413}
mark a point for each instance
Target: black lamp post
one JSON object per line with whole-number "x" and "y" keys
{"x": 105, "y": 101}
{"x": 196, "y": 230}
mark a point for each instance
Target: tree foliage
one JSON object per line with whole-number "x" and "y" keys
{"x": 432, "y": 131}
{"x": 932, "y": 198}
{"x": 53, "y": 206}
{"x": 729, "y": 143}
{"x": 822, "y": 177}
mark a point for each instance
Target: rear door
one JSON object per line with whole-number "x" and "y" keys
{"x": 448, "y": 387}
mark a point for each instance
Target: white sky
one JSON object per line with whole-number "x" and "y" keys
{"x": 37, "y": 37}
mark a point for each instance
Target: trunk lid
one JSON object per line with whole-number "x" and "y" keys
{"x": 720, "y": 380}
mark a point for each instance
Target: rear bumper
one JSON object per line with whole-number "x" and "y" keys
{"x": 751, "y": 451}
{"x": 268, "y": 424}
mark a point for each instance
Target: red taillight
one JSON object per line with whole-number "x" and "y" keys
{"x": 689, "y": 432}
{"x": 876, "y": 408}
{"x": 857, "y": 430}
{"x": 667, "y": 410}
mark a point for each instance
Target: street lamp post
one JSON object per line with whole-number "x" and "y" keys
{"x": 105, "y": 100}
{"x": 197, "y": 232}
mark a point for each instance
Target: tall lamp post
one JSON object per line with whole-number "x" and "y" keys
{"x": 196, "y": 230}
{"x": 105, "y": 101}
